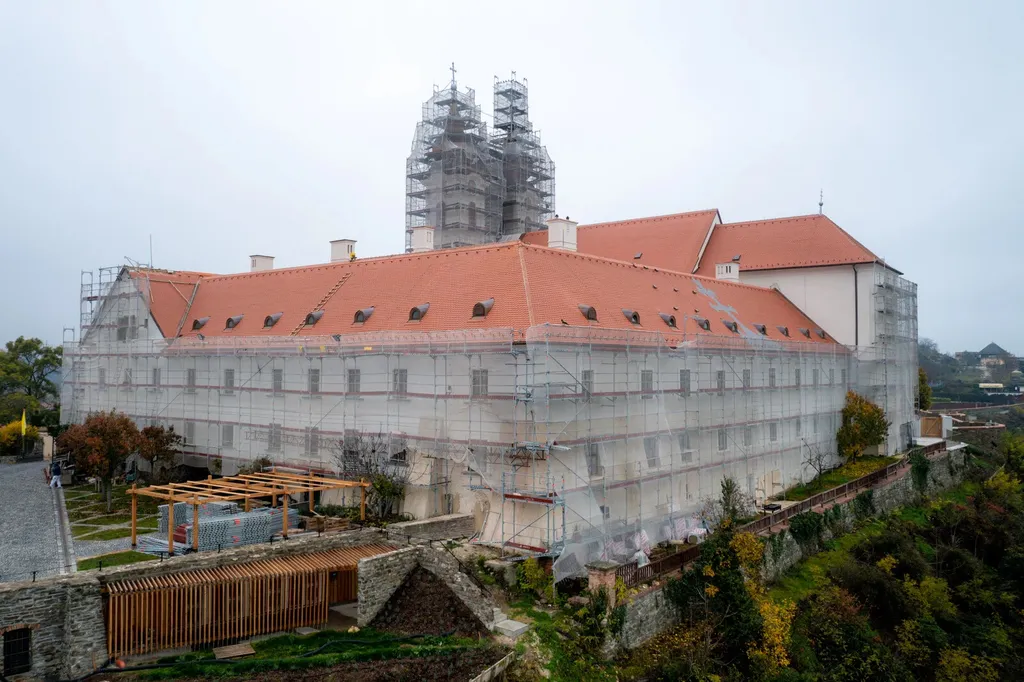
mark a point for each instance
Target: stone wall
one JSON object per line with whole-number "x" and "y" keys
{"x": 381, "y": 575}
{"x": 66, "y": 619}
{"x": 445, "y": 527}
{"x": 646, "y": 615}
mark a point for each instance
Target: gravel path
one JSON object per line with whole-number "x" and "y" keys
{"x": 88, "y": 548}
{"x": 30, "y": 537}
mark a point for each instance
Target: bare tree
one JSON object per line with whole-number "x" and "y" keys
{"x": 816, "y": 457}
{"x": 381, "y": 460}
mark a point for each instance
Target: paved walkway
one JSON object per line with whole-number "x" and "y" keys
{"x": 30, "y": 534}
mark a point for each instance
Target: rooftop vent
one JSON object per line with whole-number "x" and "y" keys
{"x": 233, "y": 321}
{"x": 731, "y": 326}
{"x": 422, "y": 238}
{"x": 762, "y": 329}
{"x": 417, "y": 313}
{"x": 561, "y": 233}
{"x": 483, "y": 307}
{"x": 638, "y": 255}
{"x": 198, "y": 323}
{"x": 670, "y": 320}
{"x": 820, "y": 333}
{"x": 342, "y": 249}
{"x": 258, "y": 263}
{"x": 728, "y": 271}
{"x": 805, "y": 331}
{"x": 589, "y": 312}
{"x": 631, "y": 315}
{"x": 362, "y": 315}
{"x": 783, "y": 330}
{"x": 313, "y": 318}
{"x": 703, "y": 323}
{"x": 270, "y": 320}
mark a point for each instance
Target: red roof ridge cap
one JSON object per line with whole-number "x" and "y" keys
{"x": 667, "y": 216}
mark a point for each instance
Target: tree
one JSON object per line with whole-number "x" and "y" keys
{"x": 160, "y": 447}
{"x": 724, "y": 510}
{"x": 816, "y": 457}
{"x": 864, "y": 425}
{"x": 101, "y": 445}
{"x": 12, "y": 444}
{"x": 26, "y": 366}
{"x": 924, "y": 391}
{"x": 12, "y": 405}
{"x": 380, "y": 461}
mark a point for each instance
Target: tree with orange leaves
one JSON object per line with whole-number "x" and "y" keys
{"x": 101, "y": 445}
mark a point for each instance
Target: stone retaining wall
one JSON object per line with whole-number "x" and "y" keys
{"x": 447, "y": 527}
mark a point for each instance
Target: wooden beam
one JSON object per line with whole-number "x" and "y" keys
{"x": 284, "y": 515}
{"x": 135, "y": 515}
{"x": 170, "y": 528}
{"x": 195, "y": 524}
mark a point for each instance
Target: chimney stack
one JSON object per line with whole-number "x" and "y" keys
{"x": 422, "y": 238}
{"x": 342, "y": 249}
{"x": 258, "y": 263}
{"x": 561, "y": 233}
{"x": 728, "y": 271}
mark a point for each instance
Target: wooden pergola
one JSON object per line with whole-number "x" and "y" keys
{"x": 270, "y": 484}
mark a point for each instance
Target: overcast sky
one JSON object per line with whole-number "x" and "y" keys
{"x": 223, "y": 129}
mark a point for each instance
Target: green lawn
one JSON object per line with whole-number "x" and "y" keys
{"x": 837, "y": 477}
{"x": 117, "y": 559}
{"x": 109, "y": 534}
{"x": 87, "y": 512}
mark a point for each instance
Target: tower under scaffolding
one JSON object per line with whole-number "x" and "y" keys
{"x": 472, "y": 185}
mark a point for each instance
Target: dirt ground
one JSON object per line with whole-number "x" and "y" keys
{"x": 425, "y": 605}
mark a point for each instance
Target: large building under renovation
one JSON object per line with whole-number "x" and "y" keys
{"x": 579, "y": 389}
{"x": 471, "y": 183}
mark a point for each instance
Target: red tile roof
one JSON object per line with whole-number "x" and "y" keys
{"x": 800, "y": 242}
{"x": 531, "y": 285}
{"x": 672, "y": 242}
{"x": 168, "y": 292}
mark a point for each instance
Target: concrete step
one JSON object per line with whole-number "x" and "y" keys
{"x": 499, "y": 615}
{"x": 511, "y": 628}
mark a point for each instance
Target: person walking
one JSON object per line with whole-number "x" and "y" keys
{"x": 55, "y": 475}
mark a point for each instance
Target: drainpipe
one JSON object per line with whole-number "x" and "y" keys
{"x": 856, "y": 314}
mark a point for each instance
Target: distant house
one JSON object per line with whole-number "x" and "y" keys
{"x": 992, "y": 356}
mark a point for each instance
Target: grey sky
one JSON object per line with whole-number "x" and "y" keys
{"x": 230, "y": 128}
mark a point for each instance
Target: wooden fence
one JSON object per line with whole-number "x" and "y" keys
{"x": 633, "y": 575}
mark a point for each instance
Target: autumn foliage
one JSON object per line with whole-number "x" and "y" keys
{"x": 10, "y": 438}
{"x": 864, "y": 425}
{"x": 101, "y": 445}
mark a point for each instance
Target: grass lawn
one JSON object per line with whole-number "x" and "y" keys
{"x": 109, "y": 534}
{"x": 116, "y": 559}
{"x": 838, "y": 476}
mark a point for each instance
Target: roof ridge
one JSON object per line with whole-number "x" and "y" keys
{"x": 666, "y": 216}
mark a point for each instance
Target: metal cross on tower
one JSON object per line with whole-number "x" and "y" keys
{"x": 453, "y": 73}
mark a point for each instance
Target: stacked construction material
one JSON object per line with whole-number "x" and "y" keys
{"x": 183, "y": 512}
{"x": 244, "y": 528}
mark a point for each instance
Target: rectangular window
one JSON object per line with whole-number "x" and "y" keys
{"x": 799, "y": 427}
{"x": 156, "y": 377}
{"x": 748, "y": 437}
{"x": 723, "y": 439}
{"x": 227, "y": 435}
{"x": 796, "y": 377}
{"x": 274, "y": 438}
{"x": 190, "y": 433}
{"x": 312, "y": 441}
{"x": 814, "y": 377}
{"x": 587, "y": 383}
{"x": 277, "y": 380}
{"x": 126, "y": 380}
{"x": 594, "y": 467}
{"x": 229, "y": 381}
{"x": 842, "y": 376}
{"x": 400, "y": 381}
{"x": 103, "y": 377}
{"x": 647, "y": 383}
{"x": 313, "y": 381}
{"x": 720, "y": 381}
{"x": 126, "y": 328}
{"x": 651, "y": 450}
{"x": 685, "y": 453}
{"x": 746, "y": 378}
{"x": 190, "y": 380}
{"x": 479, "y": 389}
{"x": 771, "y": 377}
{"x": 17, "y": 651}
{"x": 684, "y": 381}
{"x": 773, "y": 432}
{"x": 831, "y": 376}
{"x": 354, "y": 379}
{"x": 814, "y": 424}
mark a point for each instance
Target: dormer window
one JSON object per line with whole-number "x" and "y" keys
{"x": 417, "y": 313}
{"x": 313, "y": 317}
{"x": 783, "y": 330}
{"x": 820, "y": 333}
{"x": 703, "y": 323}
{"x": 233, "y": 321}
{"x": 670, "y": 320}
{"x": 731, "y": 326}
{"x": 483, "y": 307}
{"x": 197, "y": 324}
{"x": 363, "y": 315}
{"x": 762, "y": 329}
{"x": 631, "y": 315}
{"x": 805, "y": 331}
{"x": 589, "y": 312}
{"x": 270, "y": 320}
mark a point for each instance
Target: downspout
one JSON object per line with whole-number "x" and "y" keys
{"x": 856, "y": 314}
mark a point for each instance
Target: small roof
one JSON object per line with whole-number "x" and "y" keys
{"x": 168, "y": 293}
{"x": 673, "y": 242}
{"x": 260, "y": 484}
{"x": 992, "y": 349}
{"x": 798, "y": 242}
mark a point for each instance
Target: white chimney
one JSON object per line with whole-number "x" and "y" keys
{"x": 257, "y": 263}
{"x": 728, "y": 271}
{"x": 342, "y": 249}
{"x": 561, "y": 233}
{"x": 422, "y": 238}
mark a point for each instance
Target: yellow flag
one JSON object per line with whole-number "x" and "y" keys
{"x": 24, "y": 427}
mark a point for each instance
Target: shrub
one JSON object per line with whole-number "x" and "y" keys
{"x": 864, "y": 505}
{"x": 806, "y": 528}
{"x": 863, "y": 425}
{"x": 11, "y": 440}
